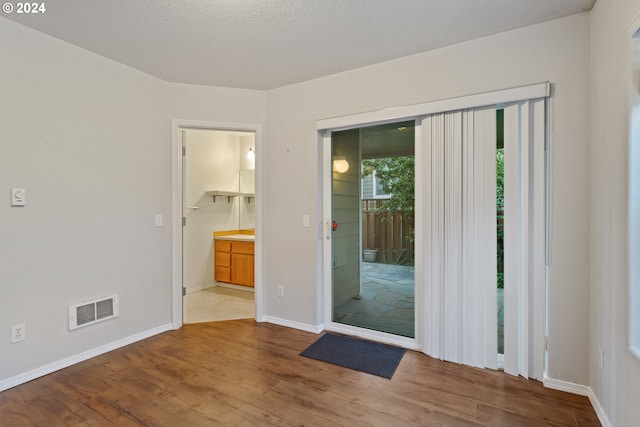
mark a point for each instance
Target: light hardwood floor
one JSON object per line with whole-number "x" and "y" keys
{"x": 240, "y": 373}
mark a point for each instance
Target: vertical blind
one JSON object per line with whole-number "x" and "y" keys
{"x": 460, "y": 237}
{"x": 460, "y": 240}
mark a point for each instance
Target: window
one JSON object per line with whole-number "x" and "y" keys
{"x": 372, "y": 186}
{"x": 378, "y": 192}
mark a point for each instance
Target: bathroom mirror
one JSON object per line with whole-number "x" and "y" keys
{"x": 247, "y": 212}
{"x": 247, "y": 183}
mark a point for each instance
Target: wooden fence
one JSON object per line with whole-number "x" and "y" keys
{"x": 390, "y": 234}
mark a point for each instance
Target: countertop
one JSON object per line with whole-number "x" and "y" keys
{"x": 237, "y": 237}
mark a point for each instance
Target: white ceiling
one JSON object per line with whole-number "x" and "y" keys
{"x": 264, "y": 44}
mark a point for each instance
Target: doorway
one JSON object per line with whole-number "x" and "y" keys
{"x": 216, "y": 204}
{"x": 372, "y": 203}
{"x": 217, "y": 161}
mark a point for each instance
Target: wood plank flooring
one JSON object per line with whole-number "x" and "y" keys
{"x": 240, "y": 373}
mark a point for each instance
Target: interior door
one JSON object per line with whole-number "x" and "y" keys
{"x": 183, "y": 145}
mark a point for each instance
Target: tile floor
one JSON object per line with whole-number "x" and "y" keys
{"x": 219, "y": 303}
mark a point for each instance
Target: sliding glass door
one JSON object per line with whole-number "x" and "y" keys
{"x": 415, "y": 203}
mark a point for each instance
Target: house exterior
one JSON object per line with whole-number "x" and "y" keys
{"x": 90, "y": 139}
{"x": 371, "y": 188}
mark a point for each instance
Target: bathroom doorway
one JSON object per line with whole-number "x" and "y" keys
{"x": 216, "y": 162}
{"x": 215, "y": 197}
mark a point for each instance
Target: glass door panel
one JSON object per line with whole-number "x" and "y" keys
{"x": 373, "y": 228}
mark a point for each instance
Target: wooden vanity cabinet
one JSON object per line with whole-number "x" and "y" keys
{"x": 234, "y": 262}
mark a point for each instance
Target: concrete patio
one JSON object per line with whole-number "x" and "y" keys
{"x": 386, "y": 302}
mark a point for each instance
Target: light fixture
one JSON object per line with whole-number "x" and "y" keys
{"x": 340, "y": 164}
{"x": 251, "y": 155}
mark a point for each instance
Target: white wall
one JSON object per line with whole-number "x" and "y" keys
{"x": 90, "y": 139}
{"x": 216, "y": 104}
{"x": 556, "y": 51}
{"x": 617, "y": 387}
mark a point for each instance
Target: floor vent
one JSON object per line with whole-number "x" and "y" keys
{"x": 90, "y": 312}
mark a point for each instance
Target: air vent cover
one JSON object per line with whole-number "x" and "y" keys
{"x": 90, "y": 312}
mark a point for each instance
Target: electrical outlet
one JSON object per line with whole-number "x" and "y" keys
{"x": 281, "y": 291}
{"x": 18, "y": 333}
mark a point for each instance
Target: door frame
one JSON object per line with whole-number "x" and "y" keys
{"x": 177, "y": 188}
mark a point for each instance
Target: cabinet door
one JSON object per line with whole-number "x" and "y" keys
{"x": 223, "y": 259}
{"x": 242, "y": 269}
{"x": 222, "y": 274}
{"x": 223, "y": 246}
{"x": 242, "y": 248}
{"x": 222, "y": 267}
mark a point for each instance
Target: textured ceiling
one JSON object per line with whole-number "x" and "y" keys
{"x": 264, "y": 44}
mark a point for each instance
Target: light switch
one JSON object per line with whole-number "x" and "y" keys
{"x": 305, "y": 220}
{"x": 159, "y": 220}
{"x": 18, "y": 196}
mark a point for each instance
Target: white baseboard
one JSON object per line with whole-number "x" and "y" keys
{"x": 573, "y": 388}
{"x": 581, "y": 390}
{"x": 198, "y": 288}
{"x": 316, "y": 329}
{"x": 232, "y": 286}
{"x": 206, "y": 286}
{"x": 81, "y": 357}
{"x": 602, "y": 416}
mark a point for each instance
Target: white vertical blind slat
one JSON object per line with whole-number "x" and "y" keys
{"x": 523, "y": 241}
{"x": 453, "y": 243}
{"x": 511, "y": 236}
{"x": 538, "y": 269}
{"x": 472, "y": 336}
{"x": 430, "y": 331}
{"x": 439, "y": 247}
